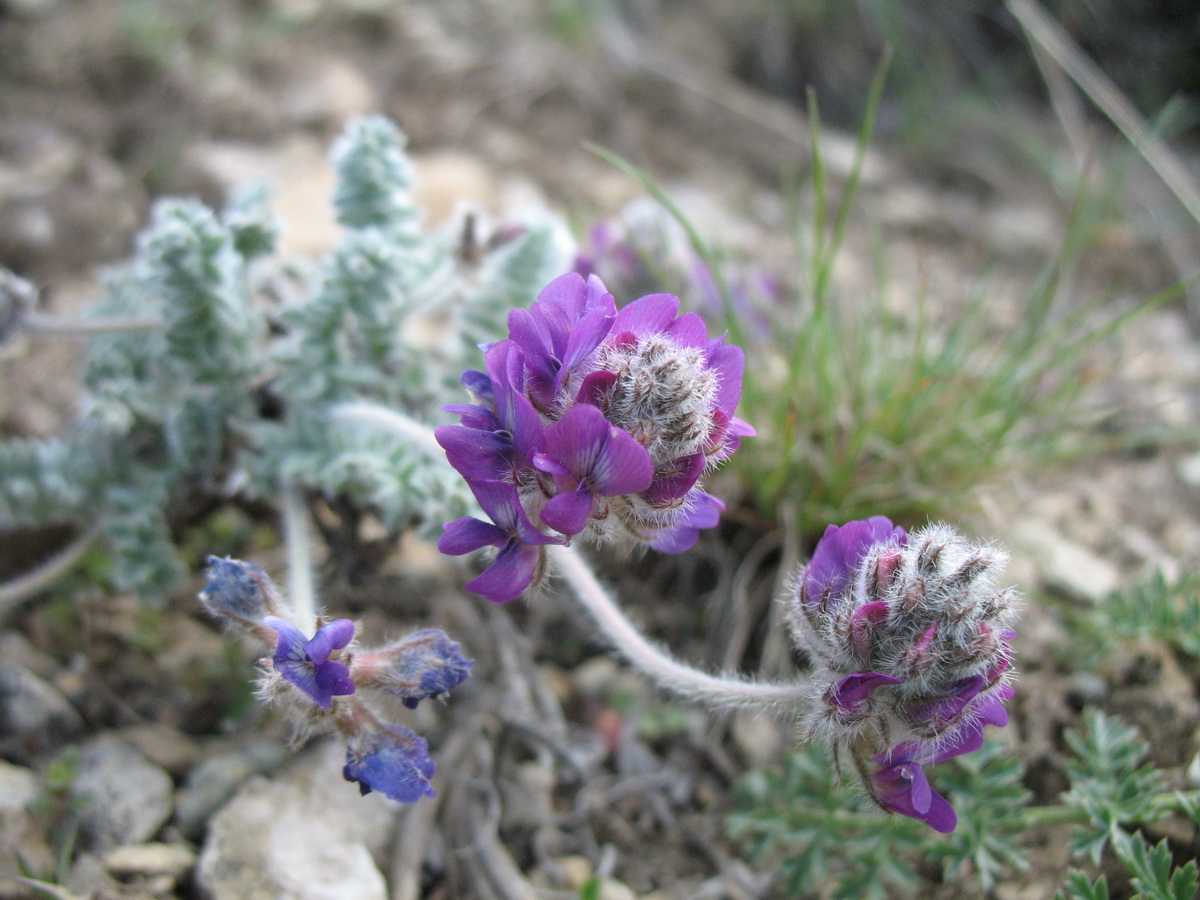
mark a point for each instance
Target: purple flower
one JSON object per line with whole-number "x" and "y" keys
{"x": 597, "y": 422}
{"x": 589, "y": 458}
{"x": 839, "y": 552}
{"x": 306, "y": 663}
{"x": 391, "y": 760}
{"x": 519, "y": 541}
{"x": 422, "y": 665}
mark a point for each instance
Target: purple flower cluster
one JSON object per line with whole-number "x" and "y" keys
{"x": 317, "y": 680}
{"x": 910, "y": 641}
{"x": 591, "y": 421}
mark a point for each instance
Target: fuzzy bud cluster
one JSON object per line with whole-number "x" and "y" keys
{"x": 909, "y": 636}
{"x": 322, "y": 683}
{"x": 591, "y": 421}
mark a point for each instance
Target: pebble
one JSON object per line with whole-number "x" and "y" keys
{"x": 23, "y": 844}
{"x": 1063, "y": 565}
{"x": 306, "y": 834}
{"x": 34, "y": 716}
{"x": 120, "y": 797}
{"x": 140, "y": 861}
{"x": 214, "y": 781}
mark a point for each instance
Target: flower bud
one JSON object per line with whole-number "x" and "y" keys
{"x": 422, "y": 665}
{"x": 910, "y": 640}
{"x": 239, "y": 593}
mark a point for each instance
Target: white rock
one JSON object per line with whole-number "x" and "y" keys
{"x": 1062, "y": 564}
{"x": 305, "y": 835}
{"x": 121, "y": 797}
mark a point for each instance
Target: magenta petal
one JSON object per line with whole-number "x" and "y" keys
{"x": 595, "y": 387}
{"x": 466, "y": 535}
{"x": 854, "y": 691}
{"x": 904, "y": 789}
{"x": 550, "y": 465}
{"x": 585, "y": 338}
{"x": 689, "y": 330}
{"x": 476, "y": 455}
{"x": 729, "y": 362}
{"x": 623, "y": 467}
{"x": 329, "y": 637}
{"x": 921, "y": 793}
{"x": 507, "y": 577}
{"x": 839, "y": 552}
{"x": 607, "y": 458}
{"x": 566, "y": 291}
{"x": 648, "y": 315}
{"x": 673, "y": 484}
{"x": 569, "y": 512}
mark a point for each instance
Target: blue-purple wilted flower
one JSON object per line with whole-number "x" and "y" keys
{"x": 391, "y": 760}
{"x": 305, "y": 674}
{"x": 909, "y": 636}
{"x": 238, "y": 592}
{"x": 306, "y": 663}
{"x": 592, "y": 421}
{"x": 423, "y": 665}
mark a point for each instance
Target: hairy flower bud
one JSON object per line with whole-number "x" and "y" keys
{"x": 417, "y": 667}
{"x": 239, "y": 593}
{"x": 910, "y": 640}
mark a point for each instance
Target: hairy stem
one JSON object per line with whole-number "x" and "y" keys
{"x": 416, "y": 433}
{"x": 657, "y": 665}
{"x": 51, "y": 326}
{"x": 300, "y": 570}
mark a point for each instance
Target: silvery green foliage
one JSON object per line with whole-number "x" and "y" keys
{"x": 232, "y": 393}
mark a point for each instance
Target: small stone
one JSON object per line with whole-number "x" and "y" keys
{"x": 150, "y": 860}
{"x": 306, "y": 834}
{"x": 19, "y": 787}
{"x": 1188, "y": 469}
{"x": 120, "y": 796}
{"x": 163, "y": 745}
{"x": 216, "y": 779}
{"x": 23, "y": 844}
{"x": 576, "y": 870}
{"x": 611, "y": 889}
{"x": 1063, "y": 565}
{"x": 34, "y": 716}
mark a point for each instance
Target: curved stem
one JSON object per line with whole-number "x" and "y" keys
{"x": 659, "y": 666}
{"x": 417, "y": 433}
{"x": 299, "y": 543}
{"x": 22, "y": 588}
